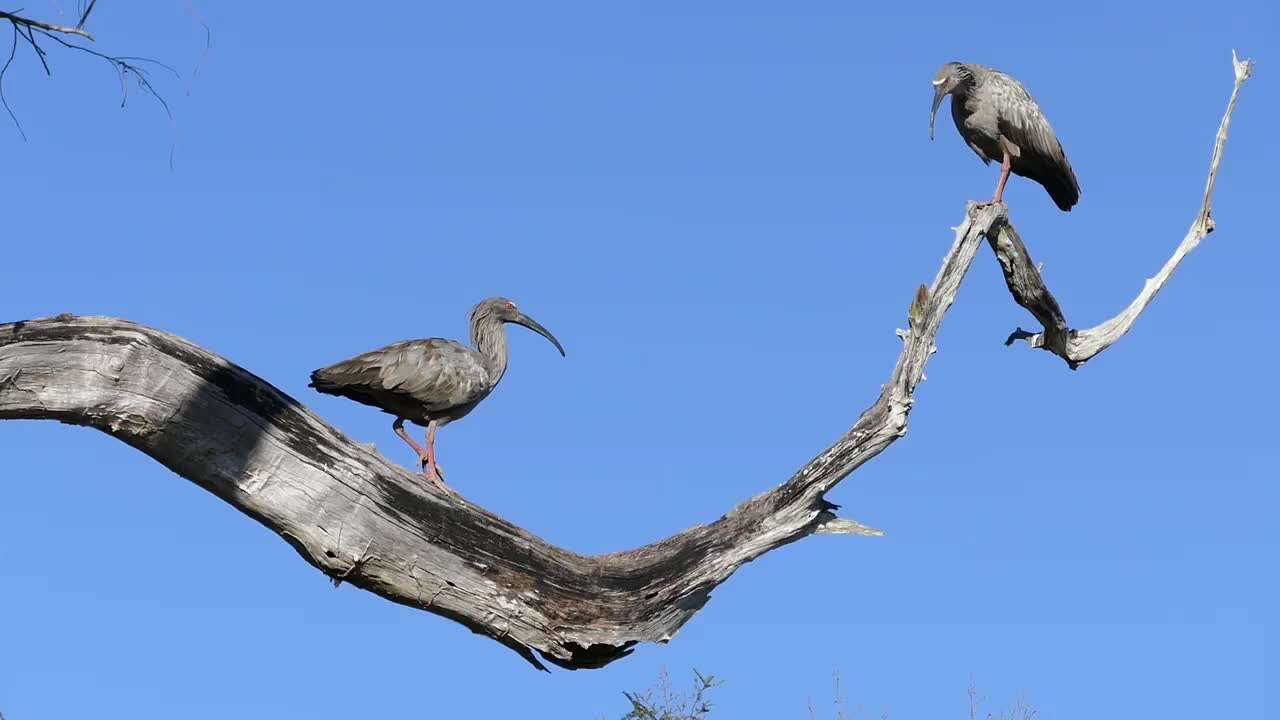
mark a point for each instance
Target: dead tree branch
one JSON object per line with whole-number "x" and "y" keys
{"x": 1077, "y": 347}
{"x": 237, "y": 436}
{"x": 362, "y": 520}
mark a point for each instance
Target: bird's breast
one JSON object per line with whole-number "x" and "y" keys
{"x": 978, "y": 125}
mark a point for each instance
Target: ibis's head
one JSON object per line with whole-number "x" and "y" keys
{"x": 948, "y": 78}
{"x": 503, "y": 310}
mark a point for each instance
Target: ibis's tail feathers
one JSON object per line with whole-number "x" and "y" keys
{"x": 1057, "y": 177}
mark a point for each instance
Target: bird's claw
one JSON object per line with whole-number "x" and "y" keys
{"x": 433, "y": 473}
{"x": 437, "y": 479}
{"x": 426, "y": 465}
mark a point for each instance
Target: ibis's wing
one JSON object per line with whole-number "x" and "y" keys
{"x": 434, "y": 374}
{"x": 438, "y": 374}
{"x": 1041, "y": 156}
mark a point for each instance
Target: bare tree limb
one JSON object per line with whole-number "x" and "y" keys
{"x": 360, "y": 519}
{"x": 1077, "y": 347}
{"x": 260, "y": 450}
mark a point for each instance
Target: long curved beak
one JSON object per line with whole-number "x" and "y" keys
{"x": 525, "y": 320}
{"x": 933, "y": 113}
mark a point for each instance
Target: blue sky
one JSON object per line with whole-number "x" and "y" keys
{"x": 722, "y": 213}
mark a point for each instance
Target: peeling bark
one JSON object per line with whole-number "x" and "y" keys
{"x": 362, "y": 520}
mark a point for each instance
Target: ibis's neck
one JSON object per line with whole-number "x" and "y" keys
{"x": 969, "y": 78}
{"x": 490, "y": 339}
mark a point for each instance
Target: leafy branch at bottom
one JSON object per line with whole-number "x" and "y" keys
{"x": 661, "y": 702}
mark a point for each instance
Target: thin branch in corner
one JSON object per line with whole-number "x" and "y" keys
{"x": 1077, "y": 347}
{"x": 126, "y": 67}
{"x": 30, "y": 23}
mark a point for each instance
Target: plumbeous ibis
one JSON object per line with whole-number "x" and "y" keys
{"x": 431, "y": 382}
{"x": 998, "y": 118}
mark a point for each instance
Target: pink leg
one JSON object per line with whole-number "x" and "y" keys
{"x": 431, "y": 469}
{"x": 1004, "y": 177}
{"x": 426, "y": 457}
{"x": 398, "y": 426}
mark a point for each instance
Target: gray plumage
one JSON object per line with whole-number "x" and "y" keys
{"x": 1000, "y": 121}
{"x": 418, "y": 380}
{"x": 434, "y": 381}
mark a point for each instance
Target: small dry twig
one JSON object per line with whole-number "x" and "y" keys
{"x": 663, "y": 703}
{"x": 32, "y": 32}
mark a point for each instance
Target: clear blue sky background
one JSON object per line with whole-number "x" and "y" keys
{"x": 722, "y": 213}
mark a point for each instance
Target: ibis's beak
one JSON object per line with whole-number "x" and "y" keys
{"x": 525, "y": 320}
{"x": 937, "y": 100}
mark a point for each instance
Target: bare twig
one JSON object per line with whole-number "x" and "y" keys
{"x": 126, "y": 67}
{"x": 4, "y": 100}
{"x": 84, "y": 17}
{"x": 1078, "y": 346}
{"x": 839, "y": 697}
{"x": 34, "y": 24}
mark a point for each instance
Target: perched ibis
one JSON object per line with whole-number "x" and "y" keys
{"x": 431, "y": 382}
{"x": 1000, "y": 120}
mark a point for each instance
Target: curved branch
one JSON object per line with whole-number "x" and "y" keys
{"x": 1077, "y": 347}
{"x": 360, "y": 519}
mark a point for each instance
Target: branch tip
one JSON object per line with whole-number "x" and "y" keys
{"x": 1243, "y": 68}
{"x": 845, "y": 526}
{"x": 1022, "y": 275}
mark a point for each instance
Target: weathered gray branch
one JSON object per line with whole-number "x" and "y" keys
{"x": 358, "y": 518}
{"x": 362, "y": 520}
{"x": 78, "y": 29}
{"x": 1077, "y": 347}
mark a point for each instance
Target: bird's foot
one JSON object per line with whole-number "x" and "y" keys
{"x": 434, "y": 473}
{"x": 427, "y": 465}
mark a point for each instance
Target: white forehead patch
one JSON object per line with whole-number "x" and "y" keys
{"x": 939, "y": 81}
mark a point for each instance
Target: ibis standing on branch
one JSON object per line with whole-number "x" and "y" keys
{"x": 1000, "y": 120}
{"x": 431, "y": 382}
